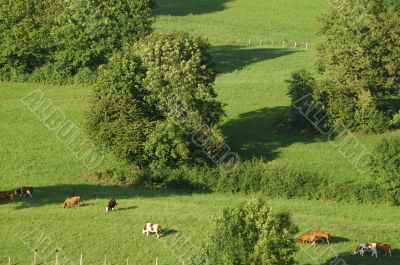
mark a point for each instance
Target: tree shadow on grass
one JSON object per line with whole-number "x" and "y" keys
{"x": 58, "y": 193}
{"x": 186, "y": 7}
{"x": 254, "y": 135}
{"x": 229, "y": 58}
{"x": 350, "y": 259}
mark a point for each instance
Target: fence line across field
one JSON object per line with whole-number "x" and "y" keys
{"x": 261, "y": 43}
{"x": 57, "y": 262}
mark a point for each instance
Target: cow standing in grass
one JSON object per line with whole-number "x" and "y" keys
{"x": 152, "y": 228}
{"x": 111, "y": 205}
{"x": 72, "y": 201}
{"x": 23, "y": 191}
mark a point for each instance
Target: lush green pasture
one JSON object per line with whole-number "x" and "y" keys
{"x": 41, "y": 224}
{"x": 222, "y": 20}
{"x": 251, "y": 82}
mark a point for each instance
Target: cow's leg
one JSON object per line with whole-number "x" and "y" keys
{"x": 29, "y": 193}
{"x": 147, "y": 233}
{"x": 390, "y": 252}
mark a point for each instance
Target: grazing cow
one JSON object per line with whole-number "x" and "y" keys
{"x": 23, "y": 191}
{"x": 152, "y": 228}
{"x": 307, "y": 238}
{"x": 9, "y": 195}
{"x": 111, "y": 204}
{"x": 2, "y": 195}
{"x": 72, "y": 201}
{"x": 313, "y": 236}
{"x": 322, "y": 234}
{"x": 366, "y": 248}
{"x": 382, "y": 247}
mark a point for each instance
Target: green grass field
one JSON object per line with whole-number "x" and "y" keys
{"x": 251, "y": 82}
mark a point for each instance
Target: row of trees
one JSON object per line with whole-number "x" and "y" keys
{"x": 54, "y": 39}
{"x": 358, "y": 67}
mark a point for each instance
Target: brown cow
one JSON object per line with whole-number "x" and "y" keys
{"x": 313, "y": 236}
{"x": 322, "y": 234}
{"x": 382, "y": 247}
{"x": 307, "y": 238}
{"x": 9, "y": 195}
{"x": 72, "y": 201}
{"x": 111, "y": 204}
{"x": 2, "y": 195}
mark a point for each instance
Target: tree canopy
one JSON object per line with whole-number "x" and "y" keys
{"x": 168, "y": 79}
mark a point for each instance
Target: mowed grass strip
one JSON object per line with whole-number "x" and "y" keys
{"x": 185, "y": 219}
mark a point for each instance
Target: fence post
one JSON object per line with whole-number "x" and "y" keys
{"x": 34, "y": 257}
{"x": 156, "y": 260}
{"x": 9, "y": 260}
{"x": 56, "y": 256}
{"x": 306, "y": 46}
{"x": 260, "y": 42}
{"x": 295, "y": 44}
{"x": 283, "y": 44}
{"x": 127, "y": 261}
{"x": 105, "y": 259}
{"x": 81, "y": 260}
{"x": 237, "y": 43}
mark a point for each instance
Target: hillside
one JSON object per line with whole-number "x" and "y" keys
{"x": 251, "y": 82}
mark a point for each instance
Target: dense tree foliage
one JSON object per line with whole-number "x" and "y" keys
{"x": 57, "y": 39}
{"x": 168, "y": 78}
{"x": 250, "y": 234}
{"x": 386, "y": 164}
{"x": 359, "y": 60}
{"x": 87, "y": 32}
{"x": 24, "y": 34}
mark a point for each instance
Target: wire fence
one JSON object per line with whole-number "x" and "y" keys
{"x": 262, "y": 43}
{"x": 60, "y": 261}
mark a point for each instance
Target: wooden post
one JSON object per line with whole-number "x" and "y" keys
{"x": 56, "y": 256}
{"x": 272, "y": 43}
{"x": 283, "y": 44}
{"x": 105, "y": 259}
{"x": 306, "y": 46}
{"x": 295, "y": 44}
{"x": 81, "y": 260}
{"x": 156, "y": 260}
{"x": 260, "y": 42}
{"x": 127, "y": 261}
{"x": 249, "y": 42}
{"x": 34, "y": 257}
{"x": 237, "y": 43}
{"x": 9, "y": 260}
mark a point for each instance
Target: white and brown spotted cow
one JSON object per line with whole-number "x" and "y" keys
{"x": 152, "y": 228}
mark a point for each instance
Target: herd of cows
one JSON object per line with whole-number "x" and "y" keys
{"x": 312, "y": 237}
{"x": 364, "y": 248}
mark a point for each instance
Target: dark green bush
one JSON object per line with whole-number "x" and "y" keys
{"x": 386, "y": 165}
{"x": 248, "y": 235}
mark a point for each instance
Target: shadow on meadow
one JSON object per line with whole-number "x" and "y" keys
{"x": 183, "y": 8}
{"x": 253, "y": 134}
{"x": 229, "y": 58}
{"x": 350, "y": 259}
{"x": 58, "y": 193}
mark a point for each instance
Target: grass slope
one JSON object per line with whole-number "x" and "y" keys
{"x": 89, "y": 230}
{"x": 251, "y": 83}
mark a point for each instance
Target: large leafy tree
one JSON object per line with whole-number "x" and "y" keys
{"x": 87, "y": 32}
{"x": 168, "y": 79}
{"x": 359, "y": 59}
{"x": 24, "y": 34}
{"x": 251, "y": 234}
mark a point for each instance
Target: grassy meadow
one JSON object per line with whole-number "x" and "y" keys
{"x": 251, "y": 82}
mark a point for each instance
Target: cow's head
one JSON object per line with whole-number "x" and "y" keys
{"x": 144, "y": 229}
